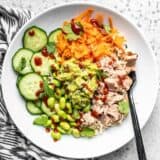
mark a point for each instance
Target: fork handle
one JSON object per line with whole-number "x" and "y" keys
{"x": 137, "y": 131}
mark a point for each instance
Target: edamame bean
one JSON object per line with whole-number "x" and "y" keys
{"x": 68, "y": 106}
{"x": 51, "y": 102}
{"x": 49, "y": 123}
{"x": 56, "y": 135}
{"x": 61, "y": 130}
{"x": 55, "y": 118}
{"x": 65, "y": 125}
{"x": 60, "y": 92}
{"x": 56, "y": 107}
{"x": 56, "y": 82}
{"x": 69, "y": 118}
{"x": 73, "y": 124}
{"x": 62, "y": 114}
{"x": 62, "y": 102}
{"x": 52, "y": 126}
{"x": 76, "y": 114}
{"x": 77, "y": 107}
{"x": 75, "y": 132}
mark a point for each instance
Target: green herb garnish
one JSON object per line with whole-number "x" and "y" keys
{"x": 101, "y": 74}
{"x": 107, "y": 28}
{"x": 41, "y": 120}
{"x": 47, "y": 91}
{"x": 22, "y": 64}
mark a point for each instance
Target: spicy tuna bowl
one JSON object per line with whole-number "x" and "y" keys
{"x": 75, "y": 80}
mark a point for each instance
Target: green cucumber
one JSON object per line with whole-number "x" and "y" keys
{"x": 32, "y": 108}
{"x": 38, "y": 103}
{"x": 29, "y": 85}
{"x": 18, "y": 79}
{"x": 21, "y": 61}
{"x": 34, "y": 38}
{"x": 45, "y": 67}
{"x": 53, "y": 35}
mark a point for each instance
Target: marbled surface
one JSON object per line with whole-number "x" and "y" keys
{"x": 146, "y": 15}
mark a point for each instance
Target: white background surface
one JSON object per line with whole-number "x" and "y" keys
{"x": 146, "y": 14}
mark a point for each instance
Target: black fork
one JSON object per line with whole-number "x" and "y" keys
{"x": 135, "y": 122}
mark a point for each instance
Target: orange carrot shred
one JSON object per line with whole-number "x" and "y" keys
{"x": 110, "y": 22}
{"x": 92, "y": 43}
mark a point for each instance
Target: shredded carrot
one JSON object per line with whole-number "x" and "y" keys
{"x": 92, "y": 43}
{"x": 99, "y": 17}
{"x": 110, "y": 22}
{"x": 85, "y": 15}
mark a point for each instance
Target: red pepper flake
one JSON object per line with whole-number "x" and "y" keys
{"x": 51, "y": 56}
{"x": 121, "y": 79}
{"x": 78, "y": 123}
{"x": 44, "y": 52}
{"x": 106, "y": 86}
{"x": 45, "y": 98}
{"x": 53, "y": 68}
{"x": 47, "y": 130}
{"x": 38, "y": 61}
{"x": 113, "y": 59}
{"x": 104, "y": 98}
{"x": 80, "y": 64}
{"x": 95, "y": 114}
{"x": 90, "y": 75}
{"x": 95, "y": 59}
{"x": 105, "y": 91}
{"x": 95, "y": 23}
{"x": 110, "y": 62}
{"x": 39, "y": 92}
{"x": 31, "y": 33}
{"x": 96, "y": 98}
{"x": 41, "y": 84}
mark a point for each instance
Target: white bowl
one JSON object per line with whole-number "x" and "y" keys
{"x": 113, "y": 138}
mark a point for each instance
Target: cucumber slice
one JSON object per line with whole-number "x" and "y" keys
{"x": 53, "y": 35}
{"x": 18, "y": 79}
{"x": 34, "y": 38}
{"x": 21, "y": 61}
{"x": 29, "y": 85}
{"x": 46, "y": 110}
{"x": 44, "y": 66}
{"x": 38, "y": 103}
{"x": 32, "y": 108}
